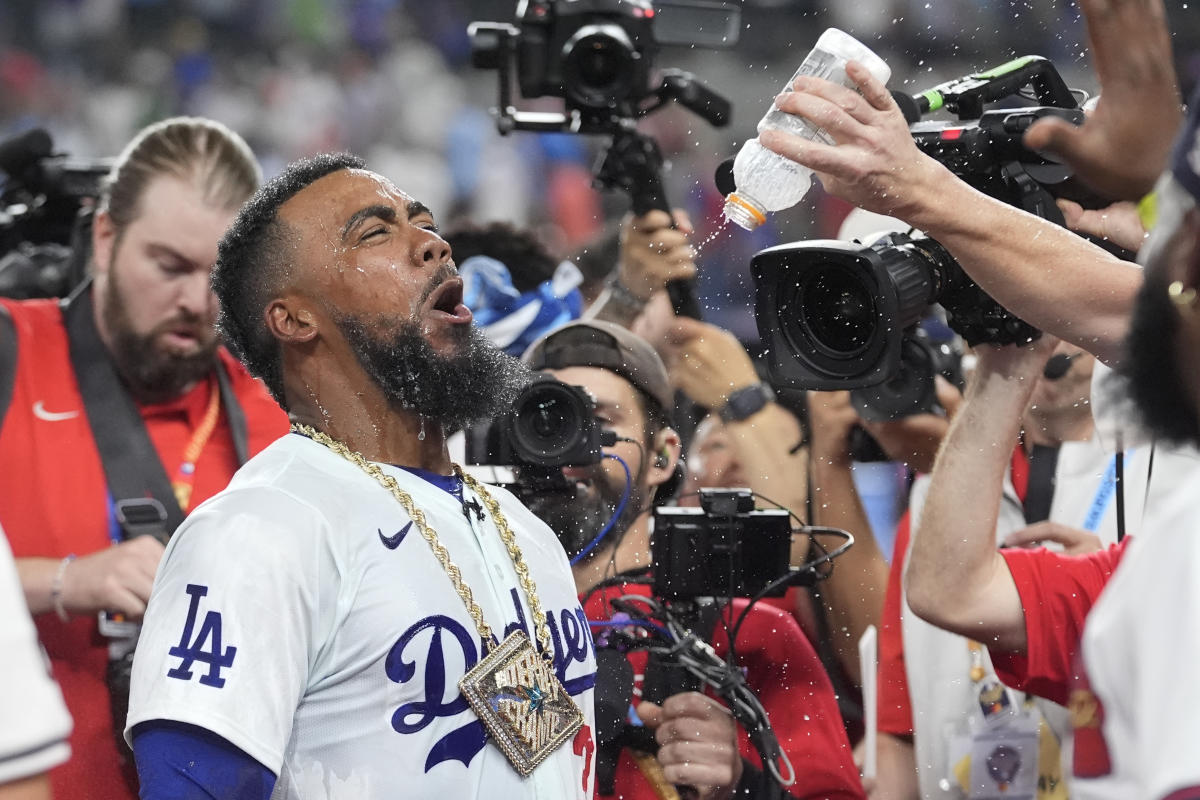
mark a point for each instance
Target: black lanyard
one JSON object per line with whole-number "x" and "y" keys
{"x": 1039, "y": 494}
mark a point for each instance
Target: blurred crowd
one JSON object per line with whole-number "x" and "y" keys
{"x": 392, "y": 80}
{"x": 1021, "y": 491}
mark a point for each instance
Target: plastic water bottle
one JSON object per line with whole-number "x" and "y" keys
{"x": 766, "y": 181}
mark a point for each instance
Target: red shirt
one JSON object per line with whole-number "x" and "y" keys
{"x": 783, "y": 670}
{"x": 893, "y": 703}
{"x": 893, "y": 706}
{"x": 54, "y": 502}
{"x": 1057, "y": 592}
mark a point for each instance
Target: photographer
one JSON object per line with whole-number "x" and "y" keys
{"x": 698, "y": 743}
{"x": 120, "y": 394}
{"x": 1059, "y": 488}
{"x": 1087, "y": 295}
{"x": 1132, "y": 701}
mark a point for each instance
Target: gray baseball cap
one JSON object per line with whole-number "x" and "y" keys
{"x": 592, "y": 343}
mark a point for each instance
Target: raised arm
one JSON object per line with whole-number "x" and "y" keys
{"x": 853, "y": 593}
{"x": 956, "y": 578}
{"x": 1042, "y": 272}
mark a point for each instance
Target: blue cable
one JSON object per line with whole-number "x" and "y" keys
{"x": 594, "y": 623}
{"x": 616, "y": 514}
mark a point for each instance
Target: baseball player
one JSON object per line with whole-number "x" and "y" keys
{"x": 353, "y": 618}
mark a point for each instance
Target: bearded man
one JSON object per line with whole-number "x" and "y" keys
{"x": 120, "y": 412}
{"x": 353, "y": 617}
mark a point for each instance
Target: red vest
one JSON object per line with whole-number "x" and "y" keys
{"x": 54, "y": 502}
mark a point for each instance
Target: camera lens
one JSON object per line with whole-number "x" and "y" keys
{"x": 598, "y": 68}
{"x": 835, "y": 311}
{"x": 596, "y": 64}
{"x": 548, "y": 421}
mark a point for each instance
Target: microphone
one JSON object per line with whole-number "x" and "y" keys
{"x": 20, "y": 152}
{"x": 1057, "y": 366}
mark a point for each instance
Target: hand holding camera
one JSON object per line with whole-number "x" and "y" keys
{"x": 698, "y": 743}
{"x": 654, "y": 251}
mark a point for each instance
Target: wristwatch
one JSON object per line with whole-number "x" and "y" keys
{"x": 746, "y": 402}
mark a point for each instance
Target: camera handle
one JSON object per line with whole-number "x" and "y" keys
{"x": 633, "y": 163}
{"x": 966, "y": 96}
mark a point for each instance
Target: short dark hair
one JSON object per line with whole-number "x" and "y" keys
{"x": 529, "y": 261}
{"x": 252, "y": 259}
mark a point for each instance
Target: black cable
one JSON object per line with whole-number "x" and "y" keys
{"x": 1119, "y": 461}
{"x": 800, "y": 574}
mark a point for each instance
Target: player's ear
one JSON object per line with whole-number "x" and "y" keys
{"x": 291, "y": 319}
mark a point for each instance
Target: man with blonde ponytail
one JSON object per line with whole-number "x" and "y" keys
{"x": 120, "y": 412}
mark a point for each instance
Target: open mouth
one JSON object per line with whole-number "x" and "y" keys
{"x": 447, "y": 302}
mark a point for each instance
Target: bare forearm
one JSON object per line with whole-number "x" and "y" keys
{"x": 37, "y": 581}
{"x": 36, "y": 787}
{"x": 763, "y": 444}
{"x": 1045, "y": 274}
{"x": 897, "y": 778}
{"x": 609, "y": 308}
{"x": 955, "y": 577}
{"x": 853, "y": 593}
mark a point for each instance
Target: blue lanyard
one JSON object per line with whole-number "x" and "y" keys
{"x": 115, "y": 534}
{"x": 1104, "y": 496}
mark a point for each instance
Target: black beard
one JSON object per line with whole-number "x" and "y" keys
{"x": 576, "y": 515}
{"x": 476, "y": 382}
{"x": 1151, "y": 366}
{"x": 152, "y": 374}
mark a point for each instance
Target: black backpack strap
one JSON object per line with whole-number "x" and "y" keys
{"x": 8, "y": 361}
{"x": 235, "y": 415}
{"x": 131, "y": 464}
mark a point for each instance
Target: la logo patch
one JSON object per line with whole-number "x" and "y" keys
{"x": 204, "y": 647}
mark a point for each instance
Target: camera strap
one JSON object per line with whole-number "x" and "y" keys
{"x": 132, "y": 467}
{"x": 8, "y": 360}
{"x": 1043, "y": 463}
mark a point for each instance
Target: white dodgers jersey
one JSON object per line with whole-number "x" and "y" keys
{"x": 300, "y": 615}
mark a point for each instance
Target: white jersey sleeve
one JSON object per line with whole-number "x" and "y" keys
{"x": 1140, "y": 651}
{"x": 34, "y": 723}
{"x": 244, "y": 595}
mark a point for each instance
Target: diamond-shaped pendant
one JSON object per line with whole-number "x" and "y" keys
{"x": 521, "y": 702}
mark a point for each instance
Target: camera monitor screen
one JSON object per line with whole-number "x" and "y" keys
{"x": 707, "y": 555}
{"x": 703, "y": 24}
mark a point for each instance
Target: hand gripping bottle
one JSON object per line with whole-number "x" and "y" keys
{"x": 766, "y": 181}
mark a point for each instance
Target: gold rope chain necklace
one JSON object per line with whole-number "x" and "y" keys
{"x": 512, "y": 689}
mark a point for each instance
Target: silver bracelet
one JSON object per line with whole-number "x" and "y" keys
{"x": 620, "y": 294}
{"x": 56, "y": 588}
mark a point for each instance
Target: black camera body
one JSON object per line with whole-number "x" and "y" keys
{"x": 45, "y": 216}
{"x": 834, "y": 315}
{"x": 550, "y": 425}
{"x": 723, "y": 549}
{"x": 596, "y": 54}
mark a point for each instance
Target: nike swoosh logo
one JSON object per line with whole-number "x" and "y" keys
{"x": 393, "y": 541}
{"x": 39, "y": 411}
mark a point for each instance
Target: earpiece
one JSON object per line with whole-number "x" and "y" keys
{"x": 663, "y": 458}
